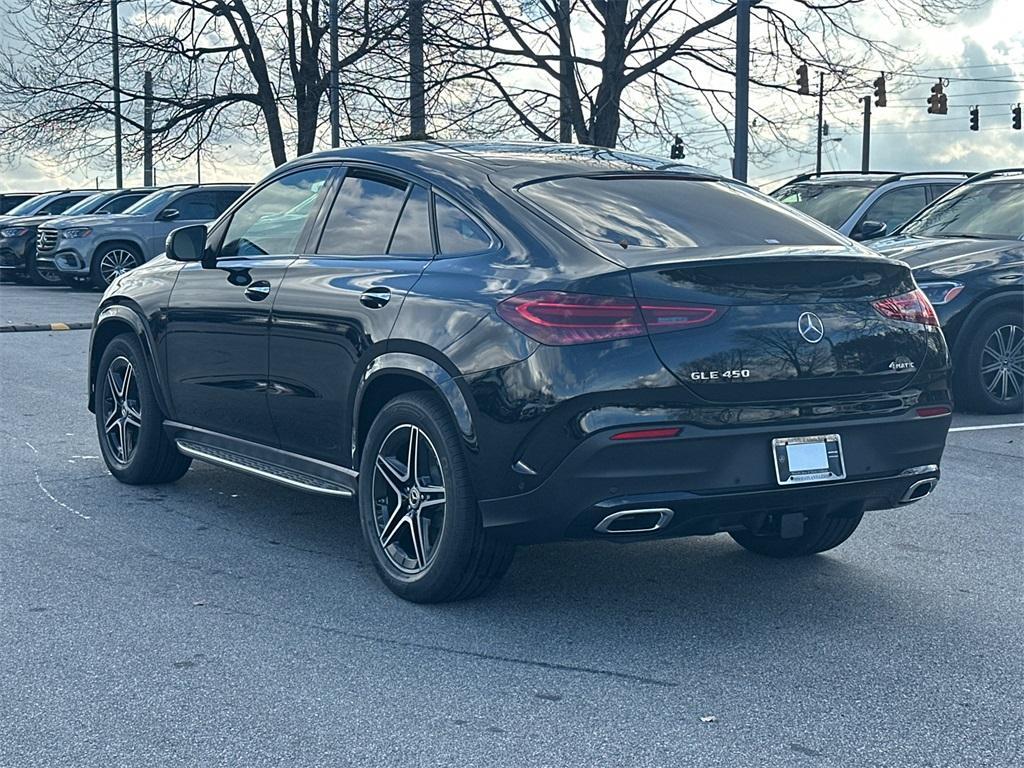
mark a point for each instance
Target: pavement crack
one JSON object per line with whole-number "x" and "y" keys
{"x": 536, "y": 663}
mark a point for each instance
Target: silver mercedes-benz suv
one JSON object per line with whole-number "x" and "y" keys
{"x": 91, "y": 251}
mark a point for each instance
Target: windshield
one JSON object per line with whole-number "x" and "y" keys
{"x": 32, "y": 205}
{"x": 152, "y": 203}
{"x": 831, "y": 204}
{"x": 665, "y": 212}
{"x": 993, "y": 209}
{"x": 89, "y": 204}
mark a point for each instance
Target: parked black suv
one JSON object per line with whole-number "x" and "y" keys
{"x": 967, "y": 254}
{"x": 493, "y": 344}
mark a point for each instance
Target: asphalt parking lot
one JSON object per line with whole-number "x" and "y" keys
{"x": 223, "y": 620}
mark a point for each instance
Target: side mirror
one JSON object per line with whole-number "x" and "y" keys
{"x": 187, "y": 243}
{"x": 869, "y": 230}
{"x": 169, "y": 214}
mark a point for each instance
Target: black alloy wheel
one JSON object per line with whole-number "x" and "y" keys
{"x": 129, "y": 420}
{"x": 408, "y": 498}
{"x": 417, "y": 507}
{"x": 121, "y": 410}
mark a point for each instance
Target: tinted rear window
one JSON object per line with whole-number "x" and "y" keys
{"x": 829, "y": 202}
{"x": 672, "y": 213}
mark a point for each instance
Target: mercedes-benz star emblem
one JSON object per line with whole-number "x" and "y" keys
{"x": 811, "y": 327}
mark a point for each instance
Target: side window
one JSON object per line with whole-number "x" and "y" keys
{"x": 895, "y": 207}
{"x": 363, "y": 215}
{"x": 224, "y": 199}
{"x": 457, "y": 233}
{"x": 271, "y": 221}
{"x": 195, "y": 206}
{"x": 118, "y": 204}
{"x": 412, "y": 235}
{"x": 61, "y": 204}
{"x": 938, "y": 190}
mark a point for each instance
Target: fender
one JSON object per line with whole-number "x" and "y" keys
{"x": 126, "y": 314}
{"x": 427, "y": 371}
{"x": 975, "y": 313}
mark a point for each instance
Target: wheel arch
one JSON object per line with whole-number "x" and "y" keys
{"x": 119, "y": 239}
{"x": 112, "y": 321}
{"x": 396, "y": 373}
{"x": 1012, "y": 298}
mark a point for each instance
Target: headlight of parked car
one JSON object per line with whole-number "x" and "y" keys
{"x": 941, "y": 293}
{"x": 13, "y": 232}
{"x": 71, "y": 234}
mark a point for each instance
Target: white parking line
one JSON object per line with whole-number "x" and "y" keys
{"x": 986, "y": 426}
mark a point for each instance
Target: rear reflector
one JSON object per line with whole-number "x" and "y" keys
{"x": 912, "y": 307}
{"x": 558, "y": 318}
{"x": 934, "y": 410}
{"x": 648, "y": 434}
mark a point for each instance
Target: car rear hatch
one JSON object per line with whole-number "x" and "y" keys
{"x": 788, "y": 323}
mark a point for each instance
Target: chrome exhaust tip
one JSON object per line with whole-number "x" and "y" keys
{"x": 919, "y": 490}
{"x": 635, "y": 521}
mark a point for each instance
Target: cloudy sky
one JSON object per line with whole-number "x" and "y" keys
{"x": 981, "y": 52}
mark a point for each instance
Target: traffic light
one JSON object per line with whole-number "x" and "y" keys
{"x": 975, "y": 113}
{"x": 937, "y": 101}
{"x": 880, "y": 90}
{"x": 678, "y": 151}
{"x": 1016, "y": 117}
{"x": 803, "y": 84}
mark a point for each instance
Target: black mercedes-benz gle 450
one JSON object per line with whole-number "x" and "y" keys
{"x": 495, "y": 344}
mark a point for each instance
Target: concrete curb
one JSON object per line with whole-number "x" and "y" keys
{"x": 45, "y": 327}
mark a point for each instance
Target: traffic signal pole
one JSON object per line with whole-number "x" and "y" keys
{"x": 821, "y": 112}
{"x": 115, "y": 55}
{"x": 865, "y": 150}
{"x": 739, "y": 163}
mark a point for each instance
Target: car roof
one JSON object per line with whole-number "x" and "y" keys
{"x": 512, "y": 162}
{"x": 879, "y": 178}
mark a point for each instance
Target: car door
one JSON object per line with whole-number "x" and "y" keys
{"x": 196, "y": 207}
{"x": 215, "y": 338}
{"x": 338, "y": 304}
{"x": 894, "y": 207}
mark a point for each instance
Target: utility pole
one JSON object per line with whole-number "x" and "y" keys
{"x": 739, "y": 163}
{"x": 417, "y": 88}
{"x": 335, "y": 106}
{"x": 865, "y": 151}
{"x": 116, "y": 62}
{"x": 147, "y": 130}
{"x": 821, "y": 112}
{"x": 565, "y": 73}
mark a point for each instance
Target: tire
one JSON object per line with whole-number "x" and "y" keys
{"x": 983, "y": 370}
{"x": 37, "y": 276}
{"x": 821, "y": 533}
{"x": 455, "y": 558}
{"x": 112, "y": 260}
{"x": 148, "y": 455}
{"x": 77, "y": 283}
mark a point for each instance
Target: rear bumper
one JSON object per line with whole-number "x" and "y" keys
{"x": 716, "y": 479}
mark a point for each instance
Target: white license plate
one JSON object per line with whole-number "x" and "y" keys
{"x": 814, "y": 459}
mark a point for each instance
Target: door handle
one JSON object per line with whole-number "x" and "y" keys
{"x": 257, "y": 291}
{"x": 375, "y": 298}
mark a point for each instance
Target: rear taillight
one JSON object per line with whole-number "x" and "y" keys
{"x": 912, "y": 307}
{"x": 557, "y": 318}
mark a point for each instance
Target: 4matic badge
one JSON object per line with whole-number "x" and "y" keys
{"x": 902, "y": 364}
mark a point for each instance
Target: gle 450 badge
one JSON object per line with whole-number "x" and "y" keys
{"x": 735, "y": 373}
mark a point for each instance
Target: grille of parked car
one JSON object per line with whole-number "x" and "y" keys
{"x": 46, "y": 240}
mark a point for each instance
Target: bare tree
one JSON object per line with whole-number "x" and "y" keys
{"x": 224, "y": 70}
{"x": 646, "y": 69}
